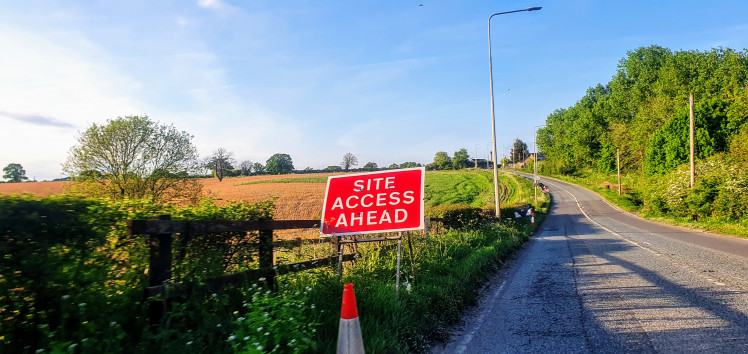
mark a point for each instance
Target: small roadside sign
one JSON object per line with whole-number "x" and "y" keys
{"x": 374, "y": 202}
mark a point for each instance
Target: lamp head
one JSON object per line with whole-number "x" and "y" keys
{"x": 533, "y": 8}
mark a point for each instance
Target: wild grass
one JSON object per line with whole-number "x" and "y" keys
{"x": 634, "y": 185}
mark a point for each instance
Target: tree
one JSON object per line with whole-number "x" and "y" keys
{"x": 519, "y": 151}
{"x": 135, "y": 157}
{"x": 370, "y": 166}
{"x": 461, "y": 159}
{"x": 442, "y": 161}
{"x": 220, "y": 162}
{"x": 410, "y": 164}
{"x": 333, "y": 168}
{"x": 348, "y": 160}
{"x": 393, "y": 166}
{"x": 246, "y": 167}
{"x": 258, "y": 168}
{"x": 279, "y": 164}
{"x": 14, "y": 172}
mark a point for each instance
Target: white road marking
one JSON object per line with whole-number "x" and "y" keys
{"x": 600, "y": 225}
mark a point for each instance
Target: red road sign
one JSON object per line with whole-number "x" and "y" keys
{"x": 374, "y": 202}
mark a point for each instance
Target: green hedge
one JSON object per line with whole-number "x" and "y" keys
{"x": 69, "y": 274}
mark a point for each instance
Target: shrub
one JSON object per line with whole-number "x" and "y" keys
{"x": 456, "y": 216}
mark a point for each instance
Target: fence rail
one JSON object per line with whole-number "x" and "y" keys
{"x": 161, "y": 229}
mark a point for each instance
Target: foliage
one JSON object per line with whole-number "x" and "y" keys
{"x": 71, "y": 275}
{"x": 246, "y": 167}
{"x": 519, "y": 151}
{"x": 461, "y": 159}
{"x": 279, "y": 164}
{"x": 14, "y": 172}
{"x": 349, "y": 160}
{"x": 220, "y": 162}
{"x": 442, "y": 161}
{"x": 134, "y": 157}
{"x": 333, "y": 168}
{"x": 641, "y": 112}
{"x": 370, "y": 166}
{"x": 409, "y": 164}
{"x": 258, "y": 168}
{"x": 669, "y": 146}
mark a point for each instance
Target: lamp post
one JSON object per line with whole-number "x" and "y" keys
{"x": 493, "y": 119}
{"x": 535, "y": 162}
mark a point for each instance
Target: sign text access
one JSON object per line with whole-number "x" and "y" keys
{"x": 374, "y": 202}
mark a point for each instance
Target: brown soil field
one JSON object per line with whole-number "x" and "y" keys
{"x": 295, "y": 200}
{"x": 42, "y": 189}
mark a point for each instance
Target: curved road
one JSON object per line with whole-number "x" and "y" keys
{"x": 597, "y": 279}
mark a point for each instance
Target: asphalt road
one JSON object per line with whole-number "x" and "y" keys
{"x": 596, "y": 279}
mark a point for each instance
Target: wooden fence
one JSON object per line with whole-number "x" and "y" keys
{"x": 161, "y": 230}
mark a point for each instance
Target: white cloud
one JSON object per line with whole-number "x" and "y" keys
{"x": 49, "y": 85}
{"x": 211, "y": 4}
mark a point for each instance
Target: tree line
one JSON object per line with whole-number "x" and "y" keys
{"x": 643, "y": 112}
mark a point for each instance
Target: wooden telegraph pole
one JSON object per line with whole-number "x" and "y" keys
{"x": 693, "y": 163}
{"x": 618, "y": 165}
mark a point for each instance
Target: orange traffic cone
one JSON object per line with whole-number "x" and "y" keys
{"x": 349, "y": 331}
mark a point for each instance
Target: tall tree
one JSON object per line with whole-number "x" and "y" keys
{"x": 246, "y": 167}
{"x": 135, "y": 157}
{"x": 519, "y": 151}
{"x": 14, "y": 172}
{"x": 279, "y": 164}
{"x": 348, "y": 160}
{"x": 442, "y": 161}
{"x": 258, "y": 168}
{"x": 461, "y": 159}
{"x": 220, "y": 162}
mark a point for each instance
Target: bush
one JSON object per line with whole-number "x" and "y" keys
{"x": 70, "y": 275}
{"x": 456, "y": 216}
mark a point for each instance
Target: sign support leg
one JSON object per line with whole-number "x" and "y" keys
{"x": 340, "y": 257}
{"x": 399, "y": 255}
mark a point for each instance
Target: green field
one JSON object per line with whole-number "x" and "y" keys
{"x": 474, "y": 188}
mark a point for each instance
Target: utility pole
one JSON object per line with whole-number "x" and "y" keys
{"x": 618, "y": 164}
{"x": 693, "y": 161}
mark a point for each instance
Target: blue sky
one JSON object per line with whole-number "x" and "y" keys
{"x": 389, "y": 81}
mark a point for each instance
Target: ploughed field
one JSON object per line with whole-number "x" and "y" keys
{"x": 297, "y": 196}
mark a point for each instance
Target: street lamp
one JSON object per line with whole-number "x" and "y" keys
{"x": 493, "y": 119}
{"x": 535, "y": 162}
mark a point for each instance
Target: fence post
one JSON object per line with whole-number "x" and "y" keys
{"x": 160, "y": 269}
{"x": 265, "y": 249}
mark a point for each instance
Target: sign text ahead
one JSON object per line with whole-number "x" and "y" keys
{"x": 374, "y": 202}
